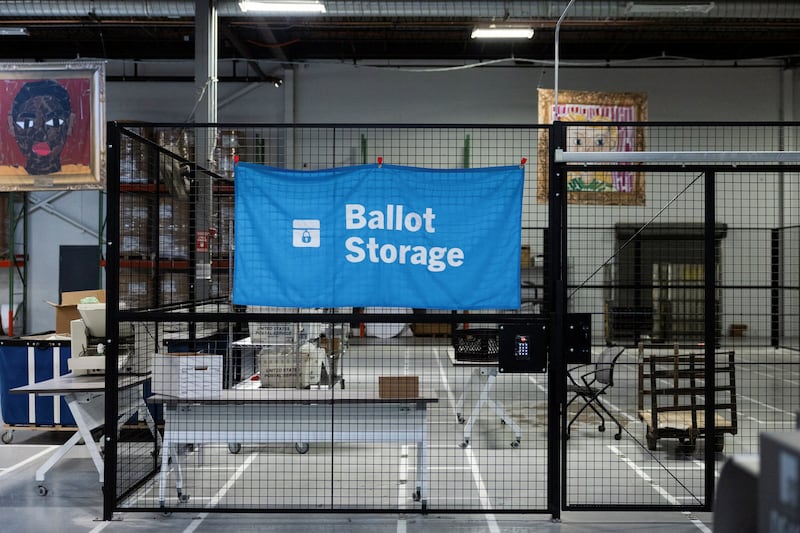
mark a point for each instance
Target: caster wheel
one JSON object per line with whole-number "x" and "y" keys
{"x": 7, "y": 437}
{"x": 515, "y": 444}
{"x": 183, "y": 498}
{"x": 41, "y": 490}
{"x": 686, "y": 446}
{"x": 234, "y": 447}
{"x": 460, "y": 418}
{"x": 502, "y": 422}
{"x": 464, "y": 444}
{"x": 301, "y": 447}
{"x": 417, "y": 495}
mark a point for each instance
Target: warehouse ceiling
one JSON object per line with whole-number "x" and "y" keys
{"x": 355, "y": 31}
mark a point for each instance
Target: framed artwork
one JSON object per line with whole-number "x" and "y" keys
{"x": 593, "y": 110}
{"x": 52, "y": 136}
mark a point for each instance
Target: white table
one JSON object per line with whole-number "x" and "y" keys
{"x": 484, "y": 372}
{"x": 85, "y": 396}
{"x": 292, "y": 415}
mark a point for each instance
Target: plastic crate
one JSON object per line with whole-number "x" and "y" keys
{"x": 480, "y": 344}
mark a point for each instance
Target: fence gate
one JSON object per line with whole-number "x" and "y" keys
{"x": 686, "y": 262}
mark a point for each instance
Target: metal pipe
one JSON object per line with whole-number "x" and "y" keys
{"x": 721, "y": 156}
{"x": 558, "y": 39}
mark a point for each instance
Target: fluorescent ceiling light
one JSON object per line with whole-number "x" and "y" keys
{"x": 282, "y": 7}
{"x": 655, "y": 8}
{"x": 502, "y": 32}
{"x": 14, "y": 31}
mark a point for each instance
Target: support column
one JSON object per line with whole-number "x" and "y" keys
{"x": 206, "y": 39}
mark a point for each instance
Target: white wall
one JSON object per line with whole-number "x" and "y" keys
{"x": 321, "y": 93}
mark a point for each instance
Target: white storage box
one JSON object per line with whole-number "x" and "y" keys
{"x": 271, "y": 332}
{"x": 278, "y": 368}
{"x": 187, "y": 375}
{"x": 282, "y": 332}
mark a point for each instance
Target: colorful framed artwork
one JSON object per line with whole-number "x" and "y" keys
{"x": 52, "y": 135}
{"x": 596, "y": 115}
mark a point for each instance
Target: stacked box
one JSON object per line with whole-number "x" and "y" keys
{"x": 187, "y": 375}
{"x": 134, "y": 289}
{"x": 175, "y": 287}
{"x": 279, "y": 367}
{"x": 282, "y": 332}
{"x": 224, "y": 223}
{"x": 133, "y": 230}
{"x": 173, "y": 229}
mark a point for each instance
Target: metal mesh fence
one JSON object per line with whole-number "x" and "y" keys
{"x": 265, "y": 408}
{"x": 323, "y": 409}
{"x": 637, "y": 260}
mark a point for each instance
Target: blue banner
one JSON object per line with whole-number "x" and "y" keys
{"x": 378, "y": 236}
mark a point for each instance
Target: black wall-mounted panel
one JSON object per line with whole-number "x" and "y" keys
{"x": 524, "y": 346}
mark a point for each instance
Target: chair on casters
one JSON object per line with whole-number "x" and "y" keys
{"x": 592, "y": 384}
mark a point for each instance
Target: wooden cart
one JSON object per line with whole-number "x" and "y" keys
{"x": 672, "y": 395}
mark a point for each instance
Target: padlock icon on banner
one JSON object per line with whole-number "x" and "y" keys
{"x": 305, "y": 233}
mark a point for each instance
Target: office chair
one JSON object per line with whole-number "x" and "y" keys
{"x": 592, "y": 385}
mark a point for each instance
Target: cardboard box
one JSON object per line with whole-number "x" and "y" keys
{"x": 431, "y": 329}
{"x": 398, "y": 386}
{"x": 525, "y": 257}
{"x": 67, "y": 310}
{"x": 325, "y": 344}
{"x": 187, "y": 375}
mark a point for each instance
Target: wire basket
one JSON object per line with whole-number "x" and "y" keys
{"x": 480, "y": 344}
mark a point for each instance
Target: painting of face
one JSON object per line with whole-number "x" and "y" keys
{"x": 590, "y": 138}
{"x": 52, "y": 134}
{"x": 41, "y": 120}
{"x": 594, "y": 122}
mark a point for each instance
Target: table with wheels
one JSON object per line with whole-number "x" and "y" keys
{"x": 297, "y": 416}
{"x": 85, "y": 396}
{"x": 485, "y": 373}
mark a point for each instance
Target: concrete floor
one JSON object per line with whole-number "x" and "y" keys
{"x": 601, "y": 470}
{"x": 74, "y": 504}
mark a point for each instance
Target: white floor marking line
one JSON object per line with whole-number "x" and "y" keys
{"x": 29, "y": 460}
{"x": 660, "y": 490}
{"x": 221, "y": 493}
{"x": 697, "y": 523}
{"x": 443, "y": 376}
{"x": 402, "y": 476}
{"x": 100, "y": 527}
{"x": 540, "y": 387}
{"x": 482, "y": 493}
{"x": 768, "y": 406}
{"x": 491, "y": 521}
{"x": 402, "y": 486}
{"x": 641, "y": 473}
{"x": 772, "y": 376}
